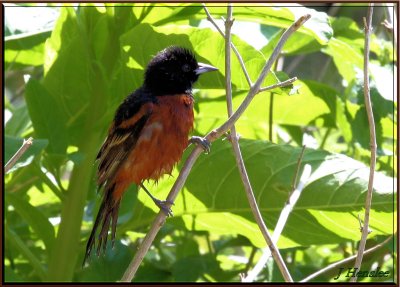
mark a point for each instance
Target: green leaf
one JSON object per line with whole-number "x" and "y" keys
{"x": 25, "y": 49}
{"x": 337, "y": 186}
{"x": 35, "y": 218}
{"x": 46, "y": 117}
{"x": 343, "y": 119}
{"x": 107, "y": 268}
{"x": 382, "y": 108}
{"x": 12, "y": 237}
{"x": 347, "y": 30}
{"x": 302, "y": 43}
{"x": 191, "y": 268}
{"x": 69, "y": 77}
{"x": 10, "y": 275}
{"x": 328, "y": 95}
{"x": 87, "y": 79}
{"x": 318, "y": 27}
{"x": 173, "y": 13}
{"x": 13, "y": 144}
{"x": 348, "y": 60}
{"x": 217, "y": 203}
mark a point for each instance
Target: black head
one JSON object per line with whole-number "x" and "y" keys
{"x": 173, "y": 71}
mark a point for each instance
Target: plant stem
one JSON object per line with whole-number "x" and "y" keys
{"x": 271, "y": 116}
{"x": 64, "y": 254}
{"x": 328, "y": 131}
{"x": 368, "y": 107}
{"x": 239, "y": 159}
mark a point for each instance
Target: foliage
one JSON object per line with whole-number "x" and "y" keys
{"x": 81, "y": 69}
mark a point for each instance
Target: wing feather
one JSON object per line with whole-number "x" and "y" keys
{"x": 120, "y": 141}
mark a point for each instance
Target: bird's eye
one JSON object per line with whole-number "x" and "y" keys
{"x": 186, "y": 68}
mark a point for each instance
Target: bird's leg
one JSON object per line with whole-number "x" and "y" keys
{"x": 162, "y": 204}
{"x": 203, "y": 142}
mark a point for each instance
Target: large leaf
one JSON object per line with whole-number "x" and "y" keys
{"x": 337, "y": 186}
{"x": 46, "y": 117}
{"x": 317, "y": 27}
{"x": 35, "y": 218}
{"x": 25, "y": 49}
{"x": 347, "y": 59}
{"x": 325, "y": 213}
{"x": 75, "y": 71}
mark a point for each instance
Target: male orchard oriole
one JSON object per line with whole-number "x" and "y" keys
{"x": 148, "y": 135}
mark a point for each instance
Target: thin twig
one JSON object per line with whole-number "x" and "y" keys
{"x": 256, "y": 87}
{"x": 211, "y": 136}
{"x": 344, "y": 261}
{"x": 278, "y": 85}
{"x": 371, "y": 122}
{"x": 271, "y": 103}
{"x": 228, "y": 72}
{"x": 238, "y": 155}
{"x": 211, "y": 19}
{"x": 283, "y": 217}
{"x": 27, "y": 144}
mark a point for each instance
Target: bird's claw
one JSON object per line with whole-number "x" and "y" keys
{"x": 203, "y": 142}
{"x": 164, "y": 205}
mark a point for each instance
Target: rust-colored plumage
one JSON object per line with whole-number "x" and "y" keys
{"x": 148, "y": 135}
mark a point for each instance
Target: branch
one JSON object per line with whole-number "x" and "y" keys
{"x": 211, "y": 19}
{"x": 293, "y": 197}
{"x": 278, "y": 85}
{"x": 344, "y": 261}
{"x": 239, "y": 158}
{"x": 211, "y": 136}
{"x": 27, "y": 144}
{"x": 371, "y": 122}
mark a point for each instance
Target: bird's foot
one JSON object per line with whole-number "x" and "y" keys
{"x": 203, "y": 142}
{"x": 164, "y": 205}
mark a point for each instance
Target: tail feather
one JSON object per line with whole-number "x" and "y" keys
{"x": 108, "y": 213}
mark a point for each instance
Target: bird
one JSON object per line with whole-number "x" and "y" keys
{"x": 147, "y": 136}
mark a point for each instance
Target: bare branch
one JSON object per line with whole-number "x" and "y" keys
{"x": 211, "y": 136}
{"x": 371, "y": 122}
{"x": 256, "y": 87}
{"x": 344, "y": 261}
{"x": 27, "y": 144}
{"x": 239, "y": 158}
{"x": 278, "y": 85}
{"x": 294, "y": 196}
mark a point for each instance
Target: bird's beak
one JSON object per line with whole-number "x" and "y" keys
{"x": 203, "y": 68}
